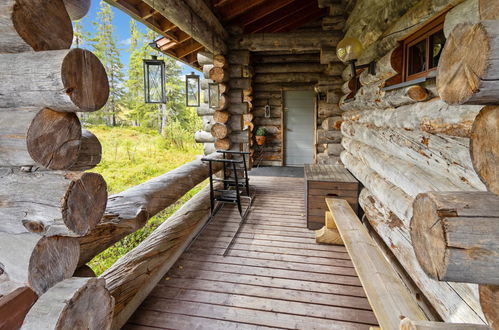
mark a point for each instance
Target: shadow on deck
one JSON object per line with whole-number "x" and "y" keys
{"x": 275, "y": 275}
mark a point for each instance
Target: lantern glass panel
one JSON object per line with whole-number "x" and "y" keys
{"x": 154, "y": 81}
{"x": 213, "y": 96}
{"x": 192, "y": 90}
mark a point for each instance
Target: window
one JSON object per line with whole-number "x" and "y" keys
{"x": 422, "y": 50}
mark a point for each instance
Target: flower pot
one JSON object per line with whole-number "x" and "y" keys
{"x": 260, "y": 140}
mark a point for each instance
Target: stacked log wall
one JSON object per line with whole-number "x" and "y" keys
{"x": 406, "y": 141}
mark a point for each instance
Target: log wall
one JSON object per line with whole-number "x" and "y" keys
{"x": 407, "y": 141}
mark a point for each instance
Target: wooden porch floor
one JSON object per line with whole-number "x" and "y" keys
{"x": 275, "y": 276}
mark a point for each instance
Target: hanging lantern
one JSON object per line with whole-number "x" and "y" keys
{"x": 214, "y": 95}
{"x": 192, "y": 90}
{"x": 154, "y": 80}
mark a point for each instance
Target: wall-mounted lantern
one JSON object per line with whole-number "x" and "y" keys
{"x": 349, "y": 50}
{"x": 154, "y": 80}
{"x": 192, "y": 90}
{"x": 214, "y": 95}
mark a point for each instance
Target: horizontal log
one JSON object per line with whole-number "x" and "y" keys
{"x": 239, "y": 137}
{"x": 221, "y": 116}
{"x": 324, "y": 136}
{"x": 66, "y": 306}
{"x": 333, "y": 23}
{"x": 434, "y": 116}
{"x": 206, "y": 71}
{"x": 223, "y": 144}
{"x": 57, "y": 79}
{"x": 334, "y": 69}
{"x": 454, "y": 302}
{"x": 203, "y": 137}
{"x": 470, "y": 11}
{"x": 332, "y": 123}
{"x": 275, "y": 112}
{"x": 333, "y": 149}
{"x": 236, "y": 95}
{"x": 326, "y": 110}
{"x": 15, "y": 302}
{"x": 325, "y": 159}
{"x": 129, "y": 210}
{"x": 387, "y": 67}
{"x": 36, "y": 261}
{"x": 333, "y": 96}
{"x": 240, "y": 83}
{"x": 455, "y": 236}
{"x": 219, "y": 61}
{"x": 209, "y": 148}
{"x": 77, "y": 9}
{"x": 27, "y": 207}
{"x": 484, "y": 147}
{"x": 282, "y": 87}
{"x": 291, "y": 58}
{"x": 90, "y": 153}
{"x": 205, "y": 110}
{"x": 240, "y": 71}
{"x": 267, "y": 121}
{"x": 444, "y": 155}
{"x": 289, "y": 67}
{"x": 219, "y": 75}
{"x": 220, "y": 131}
{"x": 204, "y": 58}
{"x": 291, "y": 41}
{"x": 239, "y": 57}
{"x": 328, "y": 55}
{"x": 34, "y": 26}
{"x": 238, "y": 108}
{"x": 469, "y": 67}
{"x": 313, "y": 77}
{"x": 134, "y": 276}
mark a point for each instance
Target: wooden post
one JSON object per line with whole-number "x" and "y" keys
{"x": 34, "y": 25}
{"x": 67, "y": 80}
{"x": 456, "y": 234}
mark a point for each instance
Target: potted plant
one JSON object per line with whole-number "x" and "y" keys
{"x": 260, "y": 135}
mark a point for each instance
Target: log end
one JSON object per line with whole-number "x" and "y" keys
{"x": 489, "y": 301}
{"x": 43, "y": 25}
{"x": 53, "y": 139}
{"x": 85, "y": 202}
{"x": 53, "y": 259}
{"x": 484, "y": 148}
{"x": 418, "y": 93}
{"x": 463, "y": 63}
{"x": 223, "y": 144}
{"x": 85, "y": 80}
{"x": 77, "y": 9}
{"x": 428, "y": 236}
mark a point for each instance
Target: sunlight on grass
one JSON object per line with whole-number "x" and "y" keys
{"x": 132, "y": 156}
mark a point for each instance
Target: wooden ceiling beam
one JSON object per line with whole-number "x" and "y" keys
{"x": 261, "y": 11}
{"x": 292, "y": 25}
{"x": 187, "y": 48}
{"x": 231, "y": 9}
{"x": 288, "y": 12}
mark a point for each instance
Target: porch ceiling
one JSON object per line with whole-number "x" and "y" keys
{"x": 255, "y": 16}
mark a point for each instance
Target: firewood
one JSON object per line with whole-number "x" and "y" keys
{"x": 434, "y": 116}
{"x": 37, "y": 261}
{"x": 468, "y": 68}
{"x": 220, "y": 131}
{"x": 223, "y": 144}
{"x": 77, "y": 9}
{"x": 455, "y": 235}
{"x": 67, "y": 80}
{"x": 203, "y": 137}
{"x": 73, "y": 207}
{"x": 408, "y": 324}
{"x": 219, "y": 61}
{"x": 489, "y": 300}
{"x": 219, "y": 75}
{"x": 440, "y": 154}
{"x": 204, "y": 58}
{"x": 221, "y": 116}
{"x": 129, "y": 210}
{"x": 66, "y": 306}
{"x": 34, "y": 26}
{"x": 484, "y": 147}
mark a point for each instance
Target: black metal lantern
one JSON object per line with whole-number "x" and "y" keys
{"x": 154, "y": 80}
{"x": 214, "y": 95}
{"x": 192, "y": 92}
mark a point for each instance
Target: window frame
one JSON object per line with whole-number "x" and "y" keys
{"x": 425, "y": 33}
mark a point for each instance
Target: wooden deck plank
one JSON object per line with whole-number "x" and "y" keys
{"x": 275, "y": 276}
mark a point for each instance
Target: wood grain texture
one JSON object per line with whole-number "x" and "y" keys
{"x": 77, "y": 9}
{"x": 14, "y": 306}
{"x": 489, "y": 300}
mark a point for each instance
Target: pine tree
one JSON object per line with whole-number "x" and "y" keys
{"x": 104, "y": 47}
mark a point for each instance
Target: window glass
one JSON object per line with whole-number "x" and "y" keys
{"x": 437, "y": 42}
{"x": 417, "y": 58}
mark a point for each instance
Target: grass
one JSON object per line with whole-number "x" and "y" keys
{"x": 132, "y": 156}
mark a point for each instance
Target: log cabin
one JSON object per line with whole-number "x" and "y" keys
{"x": 399, "y": 145}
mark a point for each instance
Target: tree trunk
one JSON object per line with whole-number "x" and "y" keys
{"x": 64, "y": 80}
{"x": 37, "y": 261}
{"x": 129, "y": 210}
{"x": 489, "y": 300}
{"x": 290, "y": 42}
{"x": 34, "y": 25}
{"x": 203, "y": 137}
{"x": 73, "y": 207}
{"x": 454, "y": 302}
{"x": 223, "y": 144}
{"x": 219, "y": 75}
{"x": 407, "y": 176}
{"x": 220, "y": 131}
{"x": 484, "y": 148}
{"x": 77, "y": 9}
{"x": 204, "y": 58}
{"x": 469, "y": 66}
{"x": 67, "y": 306}
{"x": 456, "y": 235}
{"x": 446, "y": 156}
{"x": 32, "y": 136}
{"x": 434, "y": 116}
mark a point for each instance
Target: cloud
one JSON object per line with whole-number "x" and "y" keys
{"x": 126, "y": 42}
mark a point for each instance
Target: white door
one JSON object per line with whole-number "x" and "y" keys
{"x": 299, "y": 125}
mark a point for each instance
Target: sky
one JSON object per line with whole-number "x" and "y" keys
{"x": 121, "y": 23}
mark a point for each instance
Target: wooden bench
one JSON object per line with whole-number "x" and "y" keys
{"x": 389, "y": 297}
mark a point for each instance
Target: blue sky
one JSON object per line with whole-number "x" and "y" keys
{"x": 122, "y": 32}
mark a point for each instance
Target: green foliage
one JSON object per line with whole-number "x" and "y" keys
{"x": 134, "y": 155}
{"x": 261, "y": 131}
